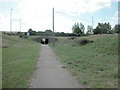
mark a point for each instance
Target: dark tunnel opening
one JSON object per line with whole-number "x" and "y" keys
{"x": 44, "y": 41}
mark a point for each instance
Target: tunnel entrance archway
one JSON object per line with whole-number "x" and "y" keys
{"x": 44, "y": 41}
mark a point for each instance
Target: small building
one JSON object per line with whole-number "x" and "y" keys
{"x": 28, "y": 34}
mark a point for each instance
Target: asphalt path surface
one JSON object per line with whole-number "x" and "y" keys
{"x": 49, "y": 72}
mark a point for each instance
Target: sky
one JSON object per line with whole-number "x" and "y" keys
{"x": 37, "y": 14}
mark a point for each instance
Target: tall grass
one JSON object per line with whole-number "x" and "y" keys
{"x": 95, "y": 64}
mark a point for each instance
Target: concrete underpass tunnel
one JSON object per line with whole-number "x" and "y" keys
{"x": 44, "y": 41}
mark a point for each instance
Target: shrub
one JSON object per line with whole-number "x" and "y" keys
{"x": 83, "y": 41}
{"x": 56, "y": 39}
{"x": 4, "y": 46}
{"x": 37, "y": 39}
{"x": 23, "y": 36}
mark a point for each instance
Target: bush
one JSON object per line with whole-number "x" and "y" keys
{"x": 83, "y": 41}
{"x": 23, "y": 36}
{"x": 37, "y": 39}
{"x": 56, "y": 39}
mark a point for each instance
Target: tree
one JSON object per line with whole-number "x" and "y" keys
{"x": 89, "y": 28}
{"x": 103, "y": 28}
{"x": 107, "y": 28}
{"x": 32, "y": 32}
{"x": 48, "y": 32}
{"x": 62, "y": 34}
{"x": 82, "y": 28}
{"x": 78, "y": 29}
{"x": 116, "y": 28}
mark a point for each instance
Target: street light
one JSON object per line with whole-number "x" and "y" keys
{"x": 53, "y": 28}
{"x": 11, "y": 20}
{"x": 20, "y": 24}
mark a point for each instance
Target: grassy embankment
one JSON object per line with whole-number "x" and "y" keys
{"x": 95, "y": 65}
{"x": 19, "y": 57}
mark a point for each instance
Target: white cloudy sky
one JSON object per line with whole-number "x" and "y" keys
{"x": 37, "y": 14}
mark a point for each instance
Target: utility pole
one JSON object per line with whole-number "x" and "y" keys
{"x": 53, "y": 28}
{"x": 92, "y": 24}
{"x": 92, "y": 21}
{"x": 11, "y": 20}
{"x": 118, "y": 12}
{"x": 20, "y": 24}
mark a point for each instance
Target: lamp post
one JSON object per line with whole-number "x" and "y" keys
{"x": 53, "y": 27}
{"x": 20, "y": 24}
{"x": 92, "y": 24}
{"x": 11, "y": 20}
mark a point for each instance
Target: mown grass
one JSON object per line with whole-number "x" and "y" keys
{"x": 19, "y": 57}
{"x": 95, "y": 64}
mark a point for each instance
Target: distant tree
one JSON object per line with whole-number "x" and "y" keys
{"x": 57, "y": 34}
{"x": 18, "y": 33}
{"x": 107, "y": 28}
{"x": 62, "y": 34}
{"x": 82, "y": 28}
{"x": 89, "y": 29}
{"x": 32, "y": 32}
{"x": 116, "y": 28}
{"x": 103, "y": 28}
{"x": 48, "y": 32}
{"x": 78, "y": 29}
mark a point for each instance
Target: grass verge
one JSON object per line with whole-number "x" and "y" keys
{"x": 19, "y": 57}
{"x": 95, "y": 64}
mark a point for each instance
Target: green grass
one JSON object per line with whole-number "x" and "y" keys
{"x": 19, "y": 57}
{"x": 95, "y": 64}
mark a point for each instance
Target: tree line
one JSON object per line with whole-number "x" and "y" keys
{"x": 48, "y": 33}
{"x": 78, "y": 29}
{"x": 101, "y": 28}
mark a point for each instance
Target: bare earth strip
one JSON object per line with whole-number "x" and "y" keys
{"x": 49, "y": 73}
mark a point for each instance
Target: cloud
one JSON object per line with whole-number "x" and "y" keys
{"x": 63, "y": 24}
{"x": 116, "y": 13}
{"x": 7, "y": 1}
{"x": 2, "y": 22}
{"x": 115, "y": 17}
{"x": 5, "y": 23}
{"x": 115, "y": 0}
{"x": 94, "y": 5}
{"x": 37, "y": 14}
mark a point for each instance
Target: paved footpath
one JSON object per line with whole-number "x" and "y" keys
{"x": 49, "y": 72}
